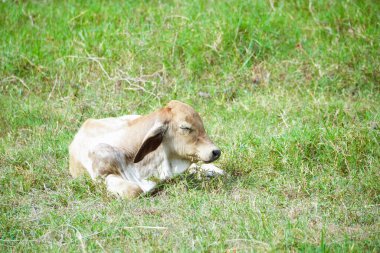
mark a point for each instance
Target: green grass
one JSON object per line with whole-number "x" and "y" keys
{"x": 294, "y": 104}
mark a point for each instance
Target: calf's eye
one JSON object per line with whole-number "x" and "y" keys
{"x": 186, "y": 128}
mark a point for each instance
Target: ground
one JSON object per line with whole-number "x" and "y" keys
{"x": 289, "y": 90}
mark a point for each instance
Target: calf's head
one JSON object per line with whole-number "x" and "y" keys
{"x": 180, "y": 129}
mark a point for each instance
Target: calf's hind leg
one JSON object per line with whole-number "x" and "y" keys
{"x": 107, "y": 162}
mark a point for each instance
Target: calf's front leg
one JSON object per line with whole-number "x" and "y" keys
{"x": 107, "y": 162}
{"x": 208, "y": 169}
{"x": 121, "y": 187}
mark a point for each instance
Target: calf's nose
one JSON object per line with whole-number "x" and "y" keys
{"x": 216, "y": 154}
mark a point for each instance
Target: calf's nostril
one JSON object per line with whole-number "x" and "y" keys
{"x": 216, "y": 153}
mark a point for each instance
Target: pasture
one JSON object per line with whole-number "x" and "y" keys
{"x": 289, "y": 90}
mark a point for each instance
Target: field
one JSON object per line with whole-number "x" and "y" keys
{"x": 289, "y": 90}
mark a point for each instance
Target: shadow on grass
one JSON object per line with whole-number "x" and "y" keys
{"x": 196, "y": 182}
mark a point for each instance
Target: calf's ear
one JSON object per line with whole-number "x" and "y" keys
{"x": 152, "y": 141}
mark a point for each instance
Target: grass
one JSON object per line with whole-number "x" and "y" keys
{"x": 288, "y": 89}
